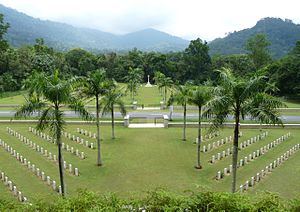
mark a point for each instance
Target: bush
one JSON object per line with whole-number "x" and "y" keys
{"x": 159, "y": 200}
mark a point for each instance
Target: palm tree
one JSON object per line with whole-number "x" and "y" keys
{"x": 133, "y": 79}
{"x": 200, "y": 96}
{"x": 165, "y": 83}
{"x": 32, "y": 83}
{"x": 113, "y": 97}
{"x": 95, "y": 85}
{"x": 158, "y": 78}
{"x": 242, "y": 97}
{"x": 54, "y": 93}
{"x": 181, "y": 97}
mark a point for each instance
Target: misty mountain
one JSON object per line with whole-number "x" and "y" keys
{"x": 25, "y": 29}
{"x": 282, "y": 34}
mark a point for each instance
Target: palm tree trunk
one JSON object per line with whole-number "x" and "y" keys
{"x": 99, "y": 162}
{"x": 112, "y": 122}
{"x": 184, "y": 123}
{"x": 165, "y": 96}
{"x": 235, "y": 150}
{"x": 60, "y": 157}
{"x": 199, "y": 139}
{"x": 60, "y": 165}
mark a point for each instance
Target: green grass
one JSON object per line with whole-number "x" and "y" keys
{"x": 144, "y": 159}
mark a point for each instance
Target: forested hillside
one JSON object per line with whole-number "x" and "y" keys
{"x": 25, "y": 29}
{"x": 282, "y": 35}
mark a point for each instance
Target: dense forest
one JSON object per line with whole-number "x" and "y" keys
{"x": 282, "y": 35}
{"x": 192, "y": 64}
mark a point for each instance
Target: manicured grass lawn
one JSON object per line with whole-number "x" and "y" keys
{"x": 18, "y": 99}
{"x": 144, "y": 159}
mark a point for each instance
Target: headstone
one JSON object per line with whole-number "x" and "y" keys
{"x": 70, "y": 168}
{"x": 10, "y": 185}
{"x": 230, "y": 168}
{"x": 54, "y": 185}
{"x": 241, "y": 162}
{"x": 20, "y": 197}
{"x": 257, "y": 177}
{"x": 219, "y": 156}
{"x": 225, "y": 171}
{"x": 76, "y": 172}
{"x": 82, "y": 155}
{"x": 43, "y": 176}
{"x": 15, "y": 191}
{"x": 213, "y": 159}
{"x": 262, "y": 173}
{"x": 219, "y": 175}
{"x": 246, "y": 185}
{"x": 204, "y": 148}
{"x": 252, "y": 181}
{"x": 48, "y": 180}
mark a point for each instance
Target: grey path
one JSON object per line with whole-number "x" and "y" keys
{"x": 148, "y": 114}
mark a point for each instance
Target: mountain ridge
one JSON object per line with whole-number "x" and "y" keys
{"x": 24, "y": 29}
{"x": 282, "y": 34}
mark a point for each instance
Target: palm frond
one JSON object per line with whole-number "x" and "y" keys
{"x": 30, "y": 106}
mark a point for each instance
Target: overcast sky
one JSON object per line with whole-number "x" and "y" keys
{"x": 207, "y": 19}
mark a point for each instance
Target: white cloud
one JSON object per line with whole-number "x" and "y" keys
{"x": 189, "y": 19}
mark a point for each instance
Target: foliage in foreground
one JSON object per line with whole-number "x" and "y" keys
{"x": 160, "y": 200}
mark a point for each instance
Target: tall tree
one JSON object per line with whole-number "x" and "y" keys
{"x": 197, "y": 61}
{"x": 114, "y": 96}
{"x": 133, "y": 80}
{"x": 258, "y": 50}
{"x": 181, "y": 97}
{"x": 55, "y": 93}
{"x": 95, "y": 86}
{"x": 242, "y": 97}
{"x": 3, "y": 29}
{"x": 200, "y": 96}
{"x": 165, "y": 83}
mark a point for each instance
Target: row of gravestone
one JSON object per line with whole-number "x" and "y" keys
{"x": 12, "y": 187}
{"x": 78, "y": 140}
{"x": 217, "y": 144}
{"x": 219, "y": 156}
{"x": 208, "y": 136}
{"x": 86, "y": 133}
{"x": 40, "y": 174}
{"x": 253, "y": 156}
{"x": 259, "y": 175}
{"x": 253, "y": 140}
{"x": 64, "y": 146}
{"x": 214, "y": 145}
{"x": 42, "y": 151}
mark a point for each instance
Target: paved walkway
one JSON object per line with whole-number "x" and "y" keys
{"x": 146, "y": 125}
